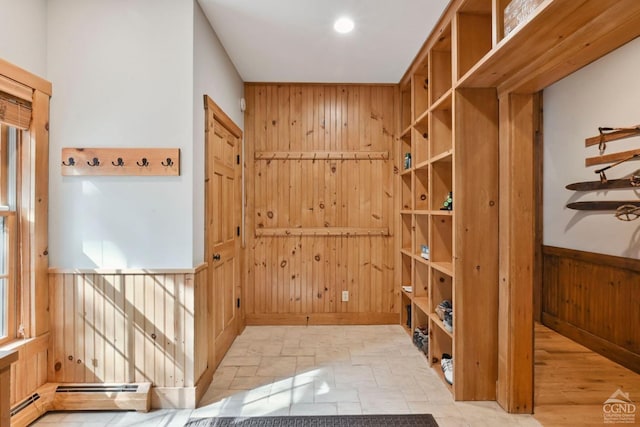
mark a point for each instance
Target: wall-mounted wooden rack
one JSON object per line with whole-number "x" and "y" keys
{"x": 321, "y": 155}
{"x": 322, "y": 231}
{"x": 121, "y": 161}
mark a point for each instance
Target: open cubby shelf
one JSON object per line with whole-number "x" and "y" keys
{"x": 442, "y": 132}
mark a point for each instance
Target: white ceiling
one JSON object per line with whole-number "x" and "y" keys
{"x": 294, "y": 41}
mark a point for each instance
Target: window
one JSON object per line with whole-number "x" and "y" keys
{"x": 8, "y": 230}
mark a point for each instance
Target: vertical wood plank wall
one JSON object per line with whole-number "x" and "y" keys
{"x": 128, "y": 327}
{"x": 593, "y": 299}
{"x": 320, "y": 183}
{"x": 30, "y": 371}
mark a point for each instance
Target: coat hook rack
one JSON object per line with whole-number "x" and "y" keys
{"x": 123, "y": 161}
{"x": 70, "y": 162}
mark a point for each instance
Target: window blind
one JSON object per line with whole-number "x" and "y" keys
{"x": 14, "y": 111}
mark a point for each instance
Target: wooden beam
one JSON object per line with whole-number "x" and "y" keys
{"x": 518, "y": 117}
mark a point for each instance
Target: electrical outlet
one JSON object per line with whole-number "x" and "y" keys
{"x": 345, "y": 296}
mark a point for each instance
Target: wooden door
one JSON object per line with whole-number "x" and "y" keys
{"x": 222, "y": 228}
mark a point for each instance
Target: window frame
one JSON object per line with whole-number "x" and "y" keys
{"x": 30, "y": 235}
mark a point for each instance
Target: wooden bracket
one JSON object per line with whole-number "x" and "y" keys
{"x": 121, "y": 161}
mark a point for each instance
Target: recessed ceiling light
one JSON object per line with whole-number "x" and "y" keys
{"x": 343, "y": 25}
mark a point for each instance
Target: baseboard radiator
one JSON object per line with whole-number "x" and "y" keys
{"x": 81, "y": 397}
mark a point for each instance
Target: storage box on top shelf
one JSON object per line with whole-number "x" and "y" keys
{"x": 518, "y": 11}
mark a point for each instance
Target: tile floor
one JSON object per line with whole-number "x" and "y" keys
{"x": 316, "y": 370}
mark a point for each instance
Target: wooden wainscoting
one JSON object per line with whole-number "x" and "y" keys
{"x": 30, "y": 371}
{"x": 593, "y": 299}
{"x": 128, "y": 326}
{"x": 320, "y": 184}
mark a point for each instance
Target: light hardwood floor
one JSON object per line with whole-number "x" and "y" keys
{"x": 572, "y": 382}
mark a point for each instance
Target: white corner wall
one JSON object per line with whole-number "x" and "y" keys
{"x": 20, "y": 44}
{"x": 122, "y": 74}
{"x": 214, "y": 75}
{"x": 605, "y": 93}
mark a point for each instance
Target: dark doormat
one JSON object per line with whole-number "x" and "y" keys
{"x": 412, "y": 420}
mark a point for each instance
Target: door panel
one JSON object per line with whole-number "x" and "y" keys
{"x": 222, "y": 244}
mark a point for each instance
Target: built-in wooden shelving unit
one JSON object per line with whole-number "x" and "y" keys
{"x": 469, "y": 80}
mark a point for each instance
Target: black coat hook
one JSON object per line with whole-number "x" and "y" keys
{"x": 95, "y": 162}
{"x": 145, "y": 162}
{"x": 169, "y": 162}
{"x": 119, "y": 163}
{"x": 71, "y": 162}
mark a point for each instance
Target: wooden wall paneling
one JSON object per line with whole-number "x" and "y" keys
{"x": 592, "y": 298}
{"x": 306, "y": 273}
{"x": 120, "y": 327}
{"x": 30, "y": 370}
{"x": 197, "y": 322}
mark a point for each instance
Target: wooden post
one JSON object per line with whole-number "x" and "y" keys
{"x": 39, "y": 133}
{"x": 518, "y": 124}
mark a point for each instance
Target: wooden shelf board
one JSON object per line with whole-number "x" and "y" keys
{"x": 441, "y": 213}
{"x": 407, "y": 294}
{"x": 445, "y": 156}
{"x": 422, "y": 118}
{"x": 537, "y": 45}
{"x": 406, "y": 132}
{"x": 421, "y": 260}
{"x": 421, "y": 212}
{"x": 406, "y": 212}
{"x": 422, "y": 303}
{"x": 422, "y": 165}
{"x": 443, "y": 267}
{"x": 406, "y": 253}
{"x": 476, "y": 7}
{"x": 436, "y": 320}
{"x": 444, "y": 102}
{"x": 406, "y": 171}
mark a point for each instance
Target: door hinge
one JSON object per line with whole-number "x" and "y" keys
{"x": 238, "y": 231}
{"x": 238, "y": 159}
{"x": 238, "y": 302}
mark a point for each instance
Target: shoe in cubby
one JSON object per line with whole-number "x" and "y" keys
{"x": 447, "y": 367}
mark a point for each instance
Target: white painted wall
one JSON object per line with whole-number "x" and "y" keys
{"x": 26, "y": 49}
{"x": 605, "y": 93}
{"x": 214, "y": 75}
{"x": 122, "y": 74}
